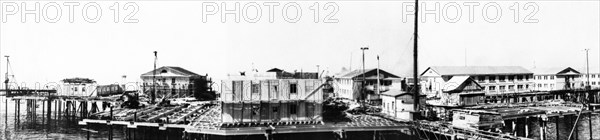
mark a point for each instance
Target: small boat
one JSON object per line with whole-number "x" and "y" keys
{"x": 477, "y": 120}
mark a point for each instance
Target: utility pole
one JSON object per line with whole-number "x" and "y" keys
{"x": 153, "y": 95}
{"x": 363, "y": 91}
{"x": 415, "y": 62}
{"x": 378, "y": 77}
{"x": 587, "y": 63}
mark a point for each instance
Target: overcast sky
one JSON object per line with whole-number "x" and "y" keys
{"x": 105, "y": 50}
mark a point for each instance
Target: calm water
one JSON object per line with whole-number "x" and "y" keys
{"x": 35, "y": 124}
{"x": 23, "y": 124}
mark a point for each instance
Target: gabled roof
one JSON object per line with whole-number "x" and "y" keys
{"x": 553, "y": 71}
{"x": 171, "y": 71}
{"x": 478, "y": 70}
{"x": 460, "y": 83}
{"x": 275, "y": 70}
{"x": 359, "y": 72}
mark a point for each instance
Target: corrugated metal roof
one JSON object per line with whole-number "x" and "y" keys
{"x": 479, "y": 70}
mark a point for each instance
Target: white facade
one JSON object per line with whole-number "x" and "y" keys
{"x": 76, "y": 89}
{"x": 494, "y": 80}
{"x": 399, "y": 104}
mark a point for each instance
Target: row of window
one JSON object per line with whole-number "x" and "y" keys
{"x": 293, "y": 88}
{"x": 509, "y": 87}
{"x": 511, "y": 78}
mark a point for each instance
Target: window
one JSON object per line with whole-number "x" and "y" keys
{"x": 83, "y": 89}
{"x": 593, "y": 83}
{"x": 551, "y": 77}
{"x": 502, "y": 88}
{"x": 501, "y": 78}
{"x": 511, "y": 87}
{"x": 519, "y": 77}
{"x": 255, "y": 88}
{"x": 293, "y": 109}
{"x": 481, "y": 79}
{"x": 492, "y": 78}
{"x": 511, "y": 78}
{"x": 492, "y": 88}
{"x": 293, "y": 88}
{"x": 545, "y": 77}
{"x": 275, "y": 109}
{"x": 520, "y": 87}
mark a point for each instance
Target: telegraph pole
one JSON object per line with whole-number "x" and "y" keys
{"x": 363, "y": 91}
{"x": 378, "y": 78}
{"x": 153, "y": 95}
{"x": 587, "y": 63}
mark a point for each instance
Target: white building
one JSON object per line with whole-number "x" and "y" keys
{"x": 547, "y": 79}
{"x": 177, "y": 82}
{"x": 399, "y": 104}
{"x": 349, "y": 85}
{"x": 494, "y": 79}
{"x": 77, "y": 87}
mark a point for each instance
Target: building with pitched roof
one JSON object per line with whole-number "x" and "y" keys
{"x": 557, "y": 78}
{"x": 177, "y": 82}
{"x": 399, "y": 104}
{"x": 493, "y": 79}
{"x": 77, "y": 87}
{"x": 349, "y": 85}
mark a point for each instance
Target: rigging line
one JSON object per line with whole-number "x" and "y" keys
{"x": 13, "y": 73}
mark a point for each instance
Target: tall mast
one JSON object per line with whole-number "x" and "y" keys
{"x": 415, "y": 56}
{"x": 6, "y": 79}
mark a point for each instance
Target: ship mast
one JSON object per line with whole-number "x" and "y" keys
{"x": 415, "y": 56}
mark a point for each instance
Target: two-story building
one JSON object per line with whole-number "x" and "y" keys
{"x": 493, "y": 79}
{"x": 271, "y": 100}
{"x": 77, "y": 87}
{"x": 177, "y": 82}
{"x": 546, "y": 79}
{"x": 350, "y": 85}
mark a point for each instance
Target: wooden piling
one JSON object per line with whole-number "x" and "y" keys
{"x": 557, "y": 130}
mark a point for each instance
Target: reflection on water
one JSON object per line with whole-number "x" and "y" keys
{"x": 30, "y": 120}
